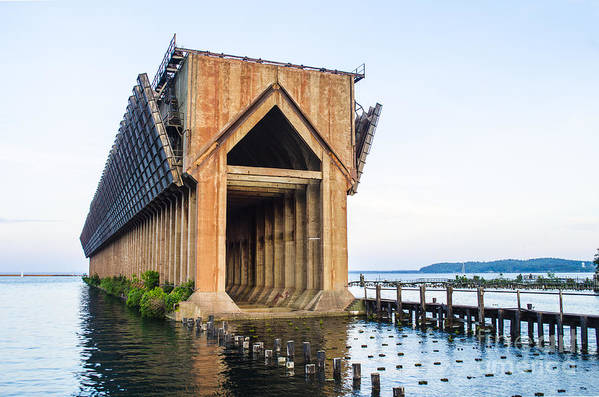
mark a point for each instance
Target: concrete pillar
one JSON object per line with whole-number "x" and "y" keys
{"x": 191, "y": 236}
{"x": 269, "y": 246}
{"x": 313, "y": 259}
{"x": 177, "y": 250}
{"x": 260, "y": 243}
{"x": 183, "y": 239}
{"x": 300, "y": 240}
{"x": 279, "y": 247}
{"x": 289, "y": 243}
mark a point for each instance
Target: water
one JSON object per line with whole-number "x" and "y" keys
{"x": 61, "y": 337}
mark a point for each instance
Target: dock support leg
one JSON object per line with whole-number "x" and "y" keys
{"x": 584, "y": 335}
{"x": 423, "y": 304}
{"x": 500, "y": 324}
{"x": 531, "y": 332}
{"x": 552, "y": 334}
{"x": 481, "y": 307}
{"x": 560, "y": 335}
{"x": 573, "y": 338}
{"x": 540, "y": 330}
{"x": 378, "y": 300}
{"x": 516, "y": 326}
{"x": 399, "y": 308}
{"x": 449, "y": 314}
{"x": 468, "y": 322}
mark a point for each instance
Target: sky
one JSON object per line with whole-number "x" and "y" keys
{"x": 486, "y": 147}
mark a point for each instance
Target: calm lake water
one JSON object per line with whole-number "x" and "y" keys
{"x": 61, "y": 337}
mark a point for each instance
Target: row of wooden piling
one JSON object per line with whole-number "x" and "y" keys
{"x": 444, "y": 317}
{"x": 226, "y": 338}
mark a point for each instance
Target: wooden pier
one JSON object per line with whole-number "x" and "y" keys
{"x": 489, "y": 321}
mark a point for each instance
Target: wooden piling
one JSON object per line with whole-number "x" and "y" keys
{"x": 468, "y": 321}
{"x": 422, "y": 304}
{"x": 573, "y": 339}
{"x": 307, "y": 353}
{"x": 375, "y": 380}
{"x": 378, "y": 299}
{"x": 399, "y": 392}
{"x": 560, "y": 334}
{"x": 399, "y": 304}
{"x": 552, "y": 333}
{"x": 540, "y": 330}
{"x": 517, "y": 332}
{"x": 531, "y": 333}
{"x": 449, "y": 313}
{"x": 500, "y": 324}
{"x": 357, "y": 371}
{"x": 584, "y": 336}
{"x": 561, "y": 306}
{"x": 320, "y": 360}
{"x": 337, "y": 367}
{"x": 481, "y": 306}
{"x": 290, "y": 349}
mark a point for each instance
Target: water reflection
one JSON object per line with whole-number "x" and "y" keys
{"x": 125, "y": 355}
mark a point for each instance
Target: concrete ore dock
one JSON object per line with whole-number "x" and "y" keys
{"x": 234, "y": 172}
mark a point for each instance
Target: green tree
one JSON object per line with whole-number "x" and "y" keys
{"x": 596, "y": 261}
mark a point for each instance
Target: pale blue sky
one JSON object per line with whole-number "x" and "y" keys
{"x": 487, "y": 146}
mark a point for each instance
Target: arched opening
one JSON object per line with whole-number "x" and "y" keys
{"x": 274, "y": 143}
{"x": 273, "y": 216}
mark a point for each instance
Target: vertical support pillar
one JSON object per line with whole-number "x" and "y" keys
{"x": 314, "y": 239}
{"x": 573, "y": 338}
{"x": 399, "y": 304}
{"x": 481, "y": 306}
{"x": 300, "y": 240}
{"x": 423, "y": 303}
{"x": 183, "y": 240}
{"x": 540, "y": 330}
{"x": 560, "y": 334}
{"x": 378, "y": 300}
{"x": 500, "y": 324}
{"x": 584, "y": 335}
{"x": 289, "y": 243}
{"x": 449, "y": 291}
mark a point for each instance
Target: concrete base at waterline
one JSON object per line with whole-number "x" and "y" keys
{"x": 203, "y": 304}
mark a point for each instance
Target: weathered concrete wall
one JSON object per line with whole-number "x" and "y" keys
{"x": 228, "y": 98}
{"x": 221, "y": 89}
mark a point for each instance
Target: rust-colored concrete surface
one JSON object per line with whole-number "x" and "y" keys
{"x": 270, "y": 151}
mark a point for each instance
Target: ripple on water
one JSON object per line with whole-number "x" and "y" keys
{"x": 63, "y": 338}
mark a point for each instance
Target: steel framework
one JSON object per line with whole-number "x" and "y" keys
{"x": 141, "y": 165}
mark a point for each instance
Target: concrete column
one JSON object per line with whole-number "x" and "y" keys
{"x": 279, "y": 247}
{"x": 177, "y": 250}
{"x": 268, "y": 246}
{"x": 288, "y": 239}
{"x": 183, "y": 245}
{"x": 313, "y": 259}
{"x": 193, "y": 211}
{"x": 171, "y": 229}
{"x": 259, "y": 244}
{"x": 301, "y": 246}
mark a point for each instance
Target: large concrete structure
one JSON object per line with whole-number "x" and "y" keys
{"x": 234, "y": 172}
